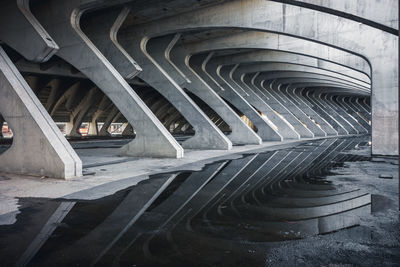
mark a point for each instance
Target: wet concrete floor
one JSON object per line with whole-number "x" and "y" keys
{"x": 311, "y": 205}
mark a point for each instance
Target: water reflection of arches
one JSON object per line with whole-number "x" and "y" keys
{"x": 272, "y": 196}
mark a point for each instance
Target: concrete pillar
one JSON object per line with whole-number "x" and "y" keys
{"x": 78, "y": 50}
{"x": 319, "y": 98}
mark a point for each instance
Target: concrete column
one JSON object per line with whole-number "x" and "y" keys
{"x": 323, "y": 28}
{"x": 78, "y": 50}
{"x": 20, "y": 107}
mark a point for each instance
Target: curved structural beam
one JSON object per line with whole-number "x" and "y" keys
{"x": 152, "y": 138}
{"x": 376, "y": 46}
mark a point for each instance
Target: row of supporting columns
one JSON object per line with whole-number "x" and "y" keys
{"x": 287, "y": 86}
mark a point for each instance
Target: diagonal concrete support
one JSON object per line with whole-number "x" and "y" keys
{"x": 153, "y": 139}
{"x": 299, "y": 101}
{"x": 340, "y": 100}
{"x": 271, "y": 100}
{"x": 323, "y": 28}
{"x": 321, "y": 111}
{"x": 265, "y": 130}
{"x": 38, "y": 146}
{"x": 241, "y": 132}
{"x": 298, "y": 113}
{"x": 225, "y": 74}
{"x": 319, "y": 98}
{"x": 350, "y": 119}
{"x": 207, "y": 135}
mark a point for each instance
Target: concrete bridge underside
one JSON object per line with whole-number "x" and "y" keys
{"x": 222, "y": 73}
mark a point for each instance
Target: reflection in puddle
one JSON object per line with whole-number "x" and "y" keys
{"x": 218, "y": 216}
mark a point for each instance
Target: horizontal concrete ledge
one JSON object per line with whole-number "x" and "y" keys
{"x": 117, "y": 173}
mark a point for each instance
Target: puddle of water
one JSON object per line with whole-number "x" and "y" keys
{"x": 227, "y": 214}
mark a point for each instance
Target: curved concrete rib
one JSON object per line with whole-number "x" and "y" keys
{"x": 246, "y": 80}
{"x": 207, "y": 135}
{"x": 266, "y": 130}
{"x": 379, "y": 48}
{"x": 273, "y": 102}
{"x": 259, "y": 77}
{"x": 278, "y": 56}
{"x": 284, "y": 128}
{"x": 152, "y": 138}
{"x": 186, "y": 78}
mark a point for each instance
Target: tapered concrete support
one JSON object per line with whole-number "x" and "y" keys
{"x": 81, "y": 111}
{"x": 340, "y": 100}
{"x": 265, "y": 130}
{"x": 300, "y": 103}
{"x": 325, "y": 28}
{"x": 207, "y": 135}
{"x": 272, "y": 101}
{"x": 153, "y": 139}
{"x": 38, "y": 146}
{"x": 109, "y": 119}
{"x": 225, "y": 74}
{"x": 362, "y": 107}
{"x": 296, "y": 111}
{"x": 241, "y": 132}
{"x": 93, "y": 129}
{"x": 321, "y": 111}
{"x": 319, "y": 98}
{"x": 346, "y": 115}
